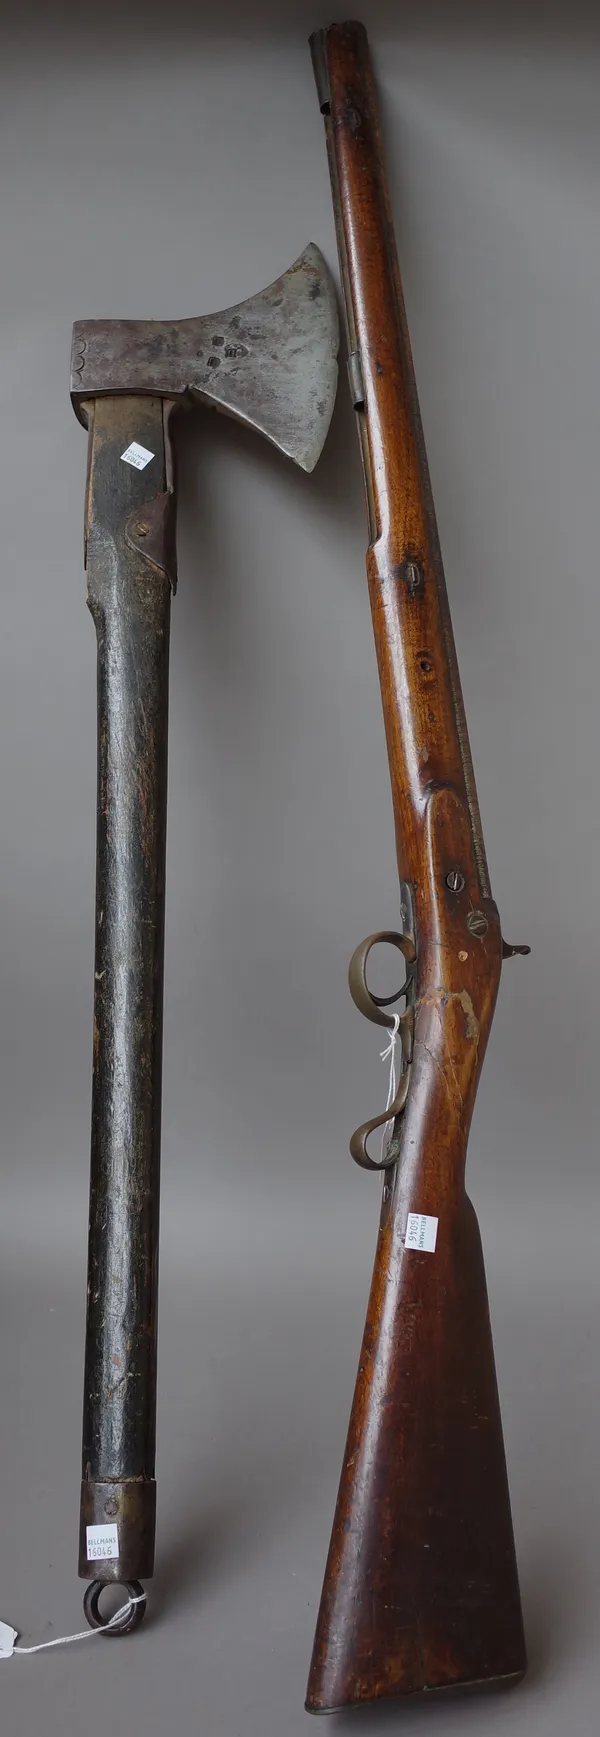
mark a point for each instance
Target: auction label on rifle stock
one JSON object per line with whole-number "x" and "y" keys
{"x": 137, "y": 455}
{"x": 421, "y": 1232}
{"x": 102, "y": 1543}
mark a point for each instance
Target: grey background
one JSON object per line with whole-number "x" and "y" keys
{"x": 156, "y": 167}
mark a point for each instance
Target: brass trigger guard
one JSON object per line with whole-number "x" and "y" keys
{"x": 373, "y": 1007}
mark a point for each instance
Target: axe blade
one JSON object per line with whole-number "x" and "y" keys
{"x": 270, "y": 361}
{"x": 278, "y": 359}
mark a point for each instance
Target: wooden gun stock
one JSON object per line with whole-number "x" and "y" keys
{"x": 421, "y": 1589}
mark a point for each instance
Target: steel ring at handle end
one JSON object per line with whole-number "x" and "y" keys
{"x": 133, "y": 1611}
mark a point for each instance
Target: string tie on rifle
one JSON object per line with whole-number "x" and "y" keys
{"x": 390, "y": 1051}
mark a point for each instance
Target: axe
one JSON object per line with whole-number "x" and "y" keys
{"x": 269, "y": 362}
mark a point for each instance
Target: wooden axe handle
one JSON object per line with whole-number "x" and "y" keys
{"x": 130, "y": 572}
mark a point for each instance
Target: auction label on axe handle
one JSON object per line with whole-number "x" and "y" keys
{"x": 137, "y": 455}
{"x": 102, "y": 1543}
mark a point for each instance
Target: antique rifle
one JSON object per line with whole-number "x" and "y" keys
{"x": 421, "y": 1589}
{"x": 269, "y": 362}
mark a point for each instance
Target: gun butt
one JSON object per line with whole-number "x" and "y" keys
{"x": 421, "y": 1590}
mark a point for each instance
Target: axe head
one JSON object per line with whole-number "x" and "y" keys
{"x": 269, "y": 361}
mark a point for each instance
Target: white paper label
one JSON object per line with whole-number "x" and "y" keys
{"x": 421, "y": 1232}
{"x": 102, "y": 1543}
{"x": 137, "y": 455}
{"x": 8, "y": 1637}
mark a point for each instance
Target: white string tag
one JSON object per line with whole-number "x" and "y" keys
{"x": 384, "y": 1053}
{"x": 8, "y": 1635}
